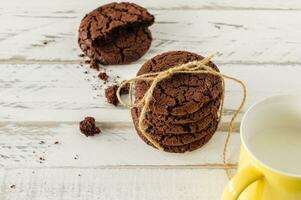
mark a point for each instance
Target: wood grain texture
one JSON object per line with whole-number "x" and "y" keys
{"x": 44, "y": 93}
{"x": 48, "y": 31}
{"x": 167, "y": 5}
{"x": 33, "y": 145}
{"x": 114, "y": 184}
{"x": 64, "y": 93}
{"x": 46, "y": 102}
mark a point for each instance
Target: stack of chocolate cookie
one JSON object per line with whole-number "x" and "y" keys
{"x": 183, "y": 112}
{"x": 116, "y": 33}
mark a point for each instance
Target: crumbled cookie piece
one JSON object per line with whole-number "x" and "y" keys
{"x": 103, "y": 76}
{"x": 88, "y": 127}
{"x": 110, "y": 94}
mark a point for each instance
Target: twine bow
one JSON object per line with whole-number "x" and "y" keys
{"x": 194, "y": 67}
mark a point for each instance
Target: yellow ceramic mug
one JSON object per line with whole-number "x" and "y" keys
{"x": 257, "y": 178}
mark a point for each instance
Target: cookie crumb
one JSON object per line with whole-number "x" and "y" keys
{"x": 45, "y": 42}
{"x": 76, "y": 157}
{"x": 56, "y": 142}
{"x": 13, "y": 186}
{"x": 110, "y": 94}
{"x": 41, "y": 158}
{"x": 88, "y": 127}
{"x": 94, "y": 65}
{"x": 79, "y": 175}
{"x": 81, "y": 55}
{"x": 41, "y": 142}
{"x": 103, "y": 76}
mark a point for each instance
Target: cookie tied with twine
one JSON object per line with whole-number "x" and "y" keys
{"x": 196, "y": 67}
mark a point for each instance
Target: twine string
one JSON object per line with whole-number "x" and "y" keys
{"x": 194, "y": 67}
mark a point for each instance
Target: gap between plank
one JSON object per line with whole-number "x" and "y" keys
{"x": 57, "y": 61}
{"x": 200, "y": 166}
{"x": 227, "y": 8}
{"x": 223, "y": 126}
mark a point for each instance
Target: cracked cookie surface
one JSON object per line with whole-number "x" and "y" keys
{"x": 205, "y": 136}
{"x": 181, "y": 94}
{"x": 161, "y": 127}
{"x": 183, "y": 112}
{"x": 179, "y": 138}
{"x": 210, "y": 107}
{"x": 116, "y": 33}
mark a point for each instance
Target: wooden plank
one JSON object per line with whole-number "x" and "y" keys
{"x": 125, "y": 184}
{"x": 2, "y": 180}
{"x": 167, "y": 5}
{"x": 63, "y": 93}
{"x": 239, "y": 36}
{"x": 45, "y": 103}
{"x": 27, "y": 145}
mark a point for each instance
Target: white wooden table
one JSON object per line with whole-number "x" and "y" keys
{"x": 44, "y": 93}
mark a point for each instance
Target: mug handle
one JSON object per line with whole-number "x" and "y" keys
{"x": 240, "y": 182}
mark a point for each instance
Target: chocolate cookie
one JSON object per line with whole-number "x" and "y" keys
{"x": 110, "y": 93}
{"x": 181, "y": 94}
{"x": 161, "y": 127}
{"x": 183, "y": 111}
{"x": 88, "y": 127}
{"x": 116, "y": 33}
{"x": 207, "y": 134}
{"x": 208, "y": 108}
{"x": 180, "y": 138}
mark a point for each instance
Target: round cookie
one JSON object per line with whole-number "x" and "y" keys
{"x": 182, "y": 148}
{"x": 208, "y": 108}
{"x": 181, "y": 94}
{"x": 163, "y": 128}
{"x": 178, "y": 139}
{"x": 116, "y": 33}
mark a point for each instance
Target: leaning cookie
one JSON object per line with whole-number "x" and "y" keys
{"x": 116, "y": 33}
